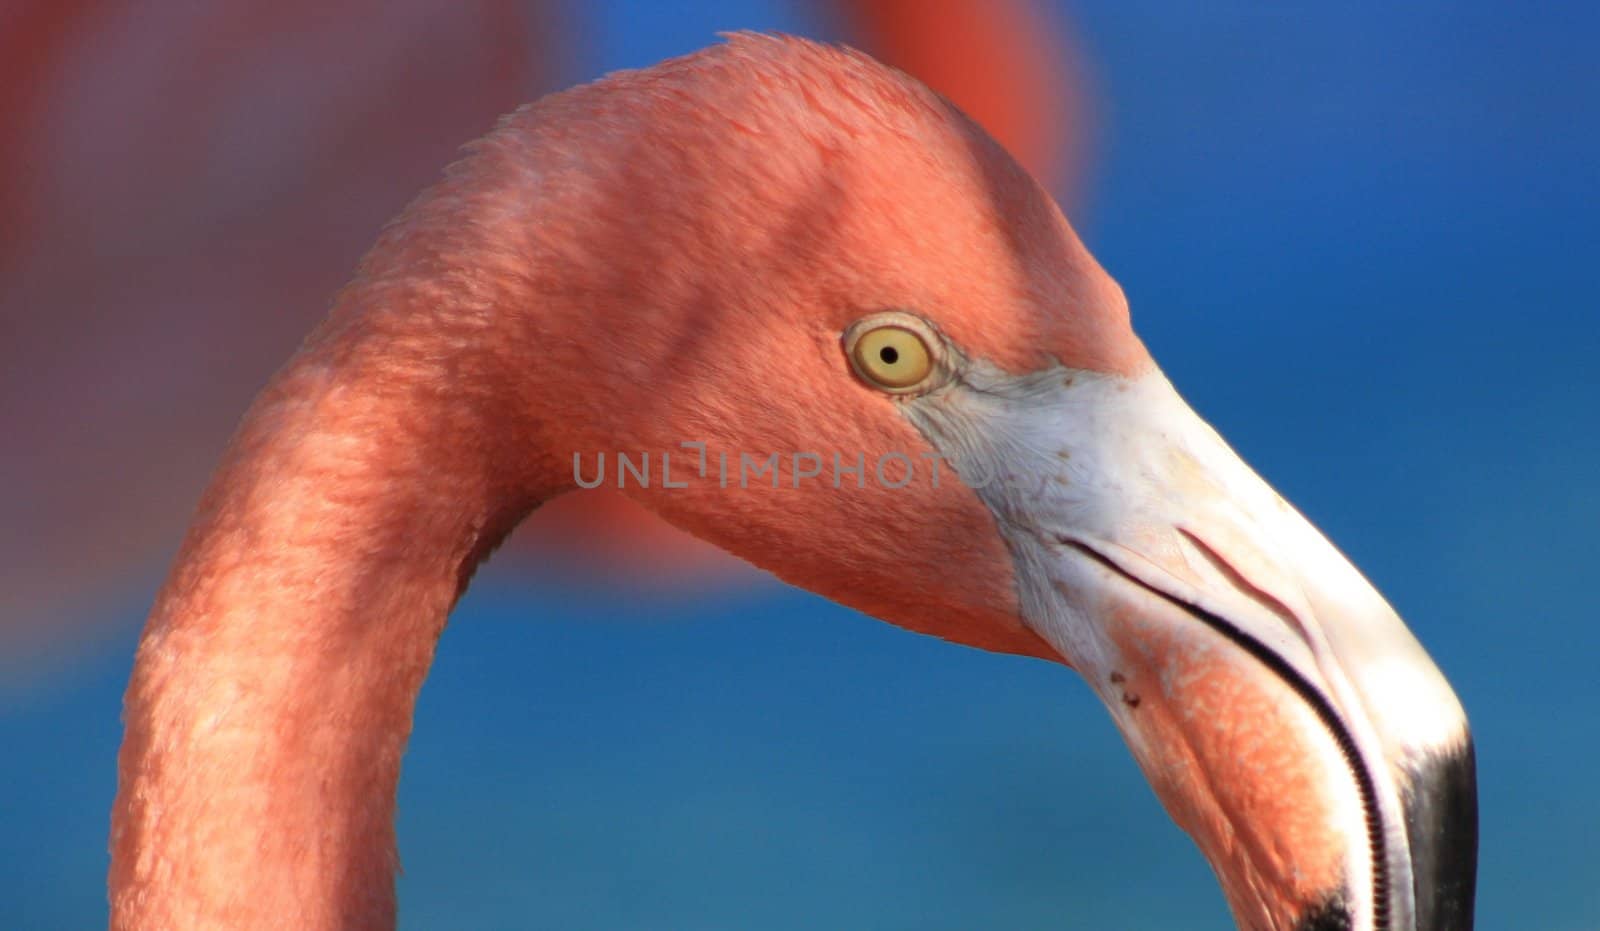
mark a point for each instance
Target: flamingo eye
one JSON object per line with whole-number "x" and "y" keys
{"x": 895, "y": 352}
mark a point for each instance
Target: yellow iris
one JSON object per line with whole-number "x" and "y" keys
{"x": 892, "y": 357}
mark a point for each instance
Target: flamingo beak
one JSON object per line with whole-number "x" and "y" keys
{"x": 1282, "y": 711}
{"x": 1290, "y": 722}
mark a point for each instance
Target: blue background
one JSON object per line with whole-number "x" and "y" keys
{"x": 1361, "y": 239}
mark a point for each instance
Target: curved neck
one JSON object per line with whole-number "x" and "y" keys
{"x": 272, "y": 695}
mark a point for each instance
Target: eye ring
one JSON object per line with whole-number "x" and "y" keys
{"x": 896, "y": 352}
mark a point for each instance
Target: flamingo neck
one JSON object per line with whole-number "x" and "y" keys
{"x": 272, "y": 695}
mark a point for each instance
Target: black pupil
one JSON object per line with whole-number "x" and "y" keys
{"x": 889, "y": 355}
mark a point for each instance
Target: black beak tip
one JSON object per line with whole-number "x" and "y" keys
{"x": 1441, "y": 808}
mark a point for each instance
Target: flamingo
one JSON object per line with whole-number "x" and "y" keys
{"x": 767, "y": 250}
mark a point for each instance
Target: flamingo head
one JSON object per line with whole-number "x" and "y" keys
{"x": 866, "y": 352}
